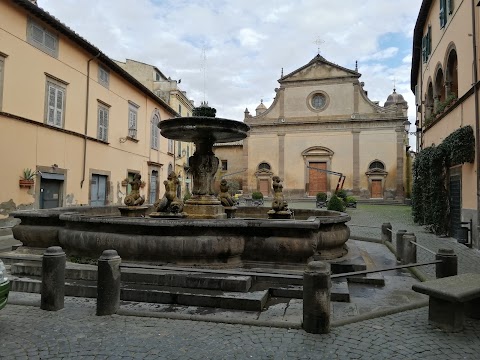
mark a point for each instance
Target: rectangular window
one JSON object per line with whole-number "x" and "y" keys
{"x": 154, "y": 132}
{"x": 157, "y": 76}
{"x": 55, "y": 103}
{"x": 41, "y": 38}
{"x": 224, "y": 165}
{"x": 451, "y": 6}
{"x": 102, "y": 123}
{"x": 427, "y": 44}
{"x": 103, "y": 76}
{"x": 2, "y": 65}
{"x": 170, "y": 146}
{"x": 180, "y": 109}
{"x": 132, "y": 121}
{"x": 179, "y": 148}
{"x": 443, "y": 13}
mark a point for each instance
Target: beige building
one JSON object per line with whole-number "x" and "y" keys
{"x": 168, "y": 90}
{"x": 444, "y": 79}
{"x": 72, "y": 116}
{"x": 321, "y": 118}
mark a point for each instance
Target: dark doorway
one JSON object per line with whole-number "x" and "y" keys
{"x": 50, "y": 196}
{"x": 455, "y": 189}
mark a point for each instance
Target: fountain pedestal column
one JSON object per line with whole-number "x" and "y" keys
{"x": 204, "y": 164}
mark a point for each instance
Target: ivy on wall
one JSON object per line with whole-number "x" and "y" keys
{"x": 430, "y": 202}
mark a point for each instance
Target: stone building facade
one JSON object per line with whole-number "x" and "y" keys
{"x": 169, "y": 91}
{"x": 321, "y": 118}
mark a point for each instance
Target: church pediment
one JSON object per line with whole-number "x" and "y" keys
{"x": 317, "y": 151}
{"x": 319, "y": 69}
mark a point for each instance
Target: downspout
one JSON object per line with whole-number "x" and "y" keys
{"x": 86, "y": 121}
{"x": 477, "y": 124}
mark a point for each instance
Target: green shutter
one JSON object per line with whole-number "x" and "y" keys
{"x": 443, "y": 13}
{"x": 429, "y": 41}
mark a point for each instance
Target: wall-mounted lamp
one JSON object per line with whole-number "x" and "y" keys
{"x": 407, "y": 124}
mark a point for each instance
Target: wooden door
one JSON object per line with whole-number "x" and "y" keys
{"x": 264, "y": 187}
{"x": 377, "y": 191}
{"x": 98, "y": 190}
{"x": 317, "y": 179}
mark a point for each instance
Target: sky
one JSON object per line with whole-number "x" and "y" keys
{"x": 231, "y": 52}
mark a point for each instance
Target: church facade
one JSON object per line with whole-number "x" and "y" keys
{"x": 322, "y": 131}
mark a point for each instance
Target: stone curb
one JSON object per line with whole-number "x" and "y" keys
{"x": 380, "y": 313}
{"x": 415, "y": 272}
{"x": 213, "y": 319}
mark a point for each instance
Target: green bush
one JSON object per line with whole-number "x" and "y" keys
{"x": 350, "y": 199}
{"x": 257, "y": 195}
{"x": 336, "y": 204}
{"x": 342, "y": 194}
{"x": 321, "y": 196}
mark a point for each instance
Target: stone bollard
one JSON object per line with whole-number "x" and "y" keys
{"x": 387, "y": 232}
{"x": 449, "y": 264}
{"x": 53, "y": 279}
{"x": 316, "y": 298}
{"x": 409, "y": 252}
{"x": 399, "y": 241}
{"x": 108, "y": 283}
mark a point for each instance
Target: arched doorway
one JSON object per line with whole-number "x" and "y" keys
{"x": 264, "y": 178}
{"x": 376, "y": 175}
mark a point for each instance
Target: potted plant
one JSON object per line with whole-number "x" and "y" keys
{"x": 257, "y": 198}
{"x": 321, "y": 199}
{"x": 28, "y": 178}
{"x": 336, "y": 204}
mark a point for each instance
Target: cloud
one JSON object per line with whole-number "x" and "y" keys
{"x": 247, "y": 43}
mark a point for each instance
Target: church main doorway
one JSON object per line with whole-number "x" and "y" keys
{"x": 317, "y": 179}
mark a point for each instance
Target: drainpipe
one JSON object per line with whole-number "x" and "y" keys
{"x": 86, "y": 121}
{"x": 477, "y": 124}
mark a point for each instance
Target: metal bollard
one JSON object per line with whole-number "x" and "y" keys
{"x": 387, "y": 232}
{"x": 53, "y": 279}
{"x": 448, "y": 266}
{"x": 399, "y": 241}
{"x": 316, "y": 298}
{"x": 108, "y": 283}
{"x": 409, "y": 253}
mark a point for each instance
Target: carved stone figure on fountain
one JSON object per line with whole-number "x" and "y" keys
{"x": 279, "y": 205}
{"x": 170, "y": 204}
{"x": 226, "y": 199}
{"x": 134, "y": 198}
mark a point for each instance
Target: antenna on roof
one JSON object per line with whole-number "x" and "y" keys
{"x": 356, "y": 65}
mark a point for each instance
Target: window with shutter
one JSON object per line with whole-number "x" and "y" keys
{"x": 154, "y": 131}
{"x": 132, "y": 121}
{"x": 451, "y": 5}
{"x": 55, "y": 105}
{"x": 443, "y": 13}
{"x": 103, "y": 76}
{"x": 41, "y": 38}
{"x": 2, "y": 64}
{"x": 103, "y": 123}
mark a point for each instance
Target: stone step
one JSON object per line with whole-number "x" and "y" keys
{"x": 368, "y": 279}
{"x": 250, "y": 301}
{"x": 151, "y": 276}
{"x": 339, "y": 291}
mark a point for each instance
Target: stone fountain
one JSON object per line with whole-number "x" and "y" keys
{"x": 206, "y": 237}
{"x": 204, "y": 132}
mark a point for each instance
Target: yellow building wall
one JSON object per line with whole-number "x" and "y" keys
{"x": 33, "y": 146}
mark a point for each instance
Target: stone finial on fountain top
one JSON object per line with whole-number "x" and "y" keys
{"x": 134, "y": 198}
{"x": 279, "y": 205}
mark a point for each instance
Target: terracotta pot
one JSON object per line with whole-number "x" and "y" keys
{"x": 26, "y": 183}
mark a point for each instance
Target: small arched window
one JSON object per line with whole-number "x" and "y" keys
{"x": 170, "y": 168}
{"x": 377, "y": 165}
{"x": 264, "y": 166}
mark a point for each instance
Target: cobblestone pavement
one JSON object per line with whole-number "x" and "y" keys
{"x": 76, "y": 333}
{"x": 26, "y": 332}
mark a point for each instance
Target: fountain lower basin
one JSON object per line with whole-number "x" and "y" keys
{"x": 227, "y": 242}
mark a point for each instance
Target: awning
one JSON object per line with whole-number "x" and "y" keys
{"x": 52, "y": 176}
